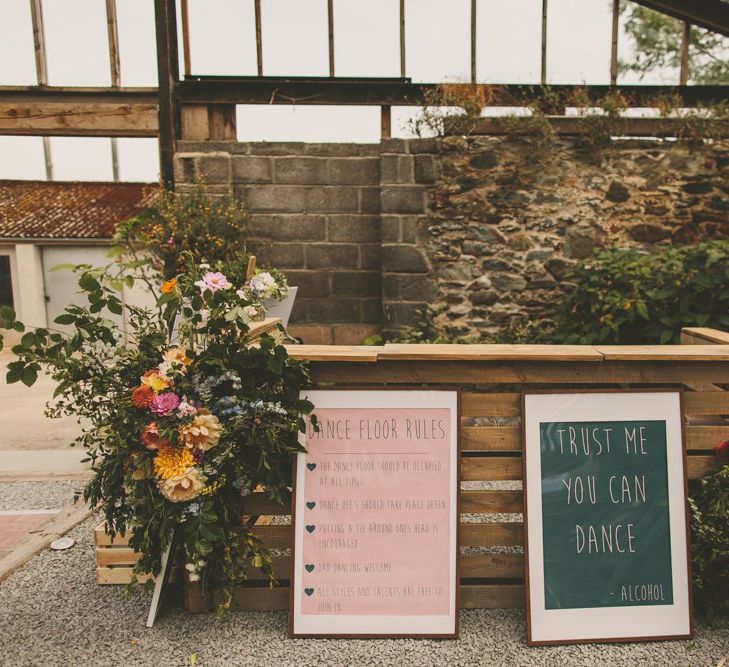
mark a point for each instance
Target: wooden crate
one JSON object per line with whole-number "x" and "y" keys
{"x": 490, "y": 378}
{"x": 114, "y": 558}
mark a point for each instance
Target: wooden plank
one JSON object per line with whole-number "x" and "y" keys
{"x": 509, "y": 468}
{"x": 707, "y": 335}
{"x": 508, "y": 438}
{"x": 713, "y": 15}
{"x": 112, "y": 32}
{"x": 706, "y": 402}
{"x": 222, "y": 122}
{"x": 275, "y": 536}
{"x": 490, "y": 438}
{"x": 614, "y": 34}
{"x": 62, "y": 119}
{"x": 449, "y": 352}
{"x": 185, "y": 20}
{"x": 522, "y": 373}
{"x": 664, "y": 352}
{"x": 168, "y": 74}
{"x": 543, "y": 68}
{"x": 257, "y": 329}
{"x": 491, "y": 566}
{"x": 503, "y": 534}
{"x": 102, "y": 538}
{"x": 472, "y": 596}
{"x": 385, "y": 121}
{"x": 195, "y": 122}
{"x": 39, "y": 539}
{"x": 356, "y": 353}
{"x": 497, "y": 501}
{"x": 490, "y": 405}
{"x": 683, "y": 73}
{"x": 118, "y": 575}
{"x": 116, "y": 556}
{"x": 259, "y": 504}
{"x": 492, "y": 596}
{"x": 490, "y": 469}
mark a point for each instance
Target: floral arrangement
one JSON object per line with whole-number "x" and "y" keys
{"x": 183, "y": 423}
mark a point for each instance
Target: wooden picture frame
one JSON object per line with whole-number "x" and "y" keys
{"x": 637, "y": 620}
{"x": 366, "y": 625}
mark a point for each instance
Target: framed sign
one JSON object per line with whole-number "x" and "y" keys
{"x": 376, "y": 516}
{"x": 605, "y": 517}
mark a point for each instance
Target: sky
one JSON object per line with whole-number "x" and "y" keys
{"x": 222, "y": 38}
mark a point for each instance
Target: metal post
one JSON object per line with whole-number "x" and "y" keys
{"x": 543, "y": 77}
{"x": 402, "y": 38}
{"x": 330, "y": 21}
{"x": 473, "y": 41}
{"x": 115, "y": 72}
{"x": 185, "y": 16}
{"x": 259, "y": 37}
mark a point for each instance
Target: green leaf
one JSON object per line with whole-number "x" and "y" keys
{"x": 7, "y": 313}
{"x": 65, "y": 318}
{"x": 29, "y": 376}
{"x": 13, "y": 375}
{"x": 63, "y": 267}
{"x": 88, "y": 283}
{"x": 115, "y": 306}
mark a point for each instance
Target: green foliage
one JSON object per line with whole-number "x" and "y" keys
{"x": 710, "y": 545}
{"x": 657, "y": 41}
{"x": 209, "y": 229}
{"x": 196, "y": 344}
{"x": 627, "y": 296}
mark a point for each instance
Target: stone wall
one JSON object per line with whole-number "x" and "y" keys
{"x": 484, "y": 227}
{"x": 506, "y": 220}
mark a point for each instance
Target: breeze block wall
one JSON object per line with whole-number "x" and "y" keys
{"x": 313, "y": 212}
{"x": 483, "y": 227}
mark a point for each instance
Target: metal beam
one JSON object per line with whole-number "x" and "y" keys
{"x": 77, "y": 95}
{"x": 41, "y": 70}
{"x": 710, "y": 14}
{"x": 168, "y": 75}
{"x": 402, "y": 92}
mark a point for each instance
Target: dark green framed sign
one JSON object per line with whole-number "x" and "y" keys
{"x": 605, "y": 516}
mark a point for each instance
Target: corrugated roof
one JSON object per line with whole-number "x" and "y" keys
{"x": 63, "y": 210}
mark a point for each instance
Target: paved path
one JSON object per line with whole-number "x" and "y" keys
{"x": 32, "y": 446}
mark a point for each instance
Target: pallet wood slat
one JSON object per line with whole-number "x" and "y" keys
{"x": 664, "y": 352}
{"x": 482, "y": 596}
{"x": 453, "y": 373}
{"x": 706, "y": 335}
{"x": 446, "y": 352}
{"x": 508, "y": 438}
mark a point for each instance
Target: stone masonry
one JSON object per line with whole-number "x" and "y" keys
{"x": 483, "y": 227}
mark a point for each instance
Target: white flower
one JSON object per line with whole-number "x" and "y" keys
{"x": 193, "y": 577}
{"x": 263, "y": 285}
{"x": 251, "y": 311}
{"x": 185, "y": 409}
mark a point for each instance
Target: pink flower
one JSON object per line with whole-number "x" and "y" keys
{"x": 165, "y": 403}
{"x": 216, "y": 281}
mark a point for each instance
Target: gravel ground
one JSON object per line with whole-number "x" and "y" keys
{"x": 37, "y": 495}
{"x": 53, "y": 612}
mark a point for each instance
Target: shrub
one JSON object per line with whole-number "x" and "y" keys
{"x": 710, "y": 544}
{"x": 185, "y": 224}
{"x": 627, "y": 296}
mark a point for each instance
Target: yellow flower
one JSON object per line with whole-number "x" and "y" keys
{"x": 168, "y": 285}
{"x": 170, "y": 463}
{"x": 185, "y": 486}
{"x": 153, "y": 380}
{"x": 202, "y": 432}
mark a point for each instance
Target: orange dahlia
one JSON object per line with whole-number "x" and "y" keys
{"x": 151, "y": 438}
{"x": 142, "y": 397}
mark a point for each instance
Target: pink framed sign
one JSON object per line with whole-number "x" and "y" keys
{"x": 376, "y": 516}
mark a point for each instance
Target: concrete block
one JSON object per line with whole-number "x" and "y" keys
{"x": 252, "y": 169}
{"x": 287, "y": 227}
{"x": 402, "y": 199}
{"x": 403, "y": 259}
{"x": 353, "y": 228}
{"x": 359, "y": 283}
{"x": 354, "y": 171}
{"x": 300, "y": 170}
{"x": 328, "y": 256}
